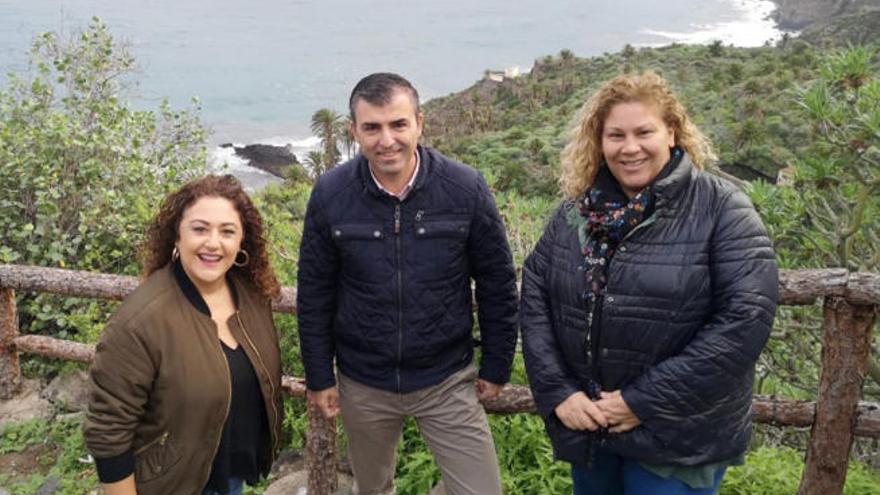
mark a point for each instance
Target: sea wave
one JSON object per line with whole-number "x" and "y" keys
{"x": 754, "y": 28}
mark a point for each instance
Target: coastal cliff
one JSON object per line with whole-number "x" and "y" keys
{"x": 795, "y": 15}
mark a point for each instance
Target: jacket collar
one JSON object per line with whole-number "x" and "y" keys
{"x": 369, "y": 185}
{"x": 668, "y": 190}
{"x": 192, "y": 293}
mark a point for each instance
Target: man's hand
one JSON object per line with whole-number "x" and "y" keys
{"x": 620, "y": 416}
{"x": 487, "y": 390}
{"x": 578, "y": 412}
{"x": 327, "y": 401}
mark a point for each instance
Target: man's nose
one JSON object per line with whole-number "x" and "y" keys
{"x": 386, "y": 138}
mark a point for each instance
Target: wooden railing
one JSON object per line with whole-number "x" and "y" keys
{"x": 851, "y": 302}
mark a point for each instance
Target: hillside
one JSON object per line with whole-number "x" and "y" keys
{"x": 743, "y": 98}
{"x": 799, "y": 14}
{"x": 855, "y": 29}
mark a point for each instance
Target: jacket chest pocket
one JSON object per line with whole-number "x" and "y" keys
{"x": 440, "y": 247}
{"x": 362, "y": 250}
{"x": 156, "y": 458}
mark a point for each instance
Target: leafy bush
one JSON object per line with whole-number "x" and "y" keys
{"x": 81, "y": 172}
{"x": 771, "y": 471}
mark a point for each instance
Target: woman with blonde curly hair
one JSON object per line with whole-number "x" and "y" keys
{"x": 646, "y": 302}
{"x": 187, "y": 375}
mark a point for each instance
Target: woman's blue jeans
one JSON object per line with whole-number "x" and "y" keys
{"x": 611, "y": 474}
{"x": 236, "y": 487}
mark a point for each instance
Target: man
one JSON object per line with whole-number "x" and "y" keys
{"x": 391, "y": 241}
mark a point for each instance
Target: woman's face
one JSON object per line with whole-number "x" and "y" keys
{"x": 208, "y": 240}
{"x": 636, "y": 144}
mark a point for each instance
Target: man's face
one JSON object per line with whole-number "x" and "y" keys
{"x": 388, "y": 135}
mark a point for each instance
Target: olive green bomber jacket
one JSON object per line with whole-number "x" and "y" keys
{"x": 161, "y": 387}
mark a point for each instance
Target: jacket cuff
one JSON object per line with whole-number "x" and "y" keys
{"x": 640, "y": 408}
{"x": 318, "y": 384}
{"x": 494, "y": 374}
{"x": 116, "y": 468}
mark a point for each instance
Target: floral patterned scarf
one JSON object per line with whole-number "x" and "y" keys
{"x": 610, "y": 216}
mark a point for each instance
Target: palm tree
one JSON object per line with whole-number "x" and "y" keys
{"x": 347, "y": 140}
{"x": 326, "y": 125}
{"x": 314, "y": 162}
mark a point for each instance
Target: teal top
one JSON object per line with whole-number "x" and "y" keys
{"x": 696, "y": 477}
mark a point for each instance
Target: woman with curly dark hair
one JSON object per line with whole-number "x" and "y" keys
{"x": 186, "y": 379}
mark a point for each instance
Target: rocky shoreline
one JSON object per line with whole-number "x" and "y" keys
{"x": 275, "y": 160}
{"x": 796, "y": 15}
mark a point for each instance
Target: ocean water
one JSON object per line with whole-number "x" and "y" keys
{"x": 260, "y": 69}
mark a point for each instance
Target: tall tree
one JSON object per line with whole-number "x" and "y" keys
{"x": 315, "y": 163}
{"x": 327, "y": 125}
{"x": 81, "y": 172}
{"x": 347, "y": 140}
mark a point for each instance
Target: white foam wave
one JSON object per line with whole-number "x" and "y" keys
{"x": 754, "y": 28}
{"x": 224, "y": 159}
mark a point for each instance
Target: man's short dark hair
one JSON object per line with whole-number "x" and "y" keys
{"x": 377, "y": 89}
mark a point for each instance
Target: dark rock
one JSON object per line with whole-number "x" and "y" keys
{"x": 50, "y": 486}
{"x": 25, "y": 406}
{"x": 288, "y": 461}
{"x": 296, "y": 483}
{"x": 747, "y": 172}
{"x": 69, "y": 392}
{"x": 272, "y": 159}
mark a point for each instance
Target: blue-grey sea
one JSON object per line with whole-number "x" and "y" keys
{"x": 261, "y": 68}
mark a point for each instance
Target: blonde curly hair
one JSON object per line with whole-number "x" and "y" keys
{"x": 582, "y": 156}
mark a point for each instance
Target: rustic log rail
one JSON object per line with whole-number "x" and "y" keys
{"x": 851, "y": 302}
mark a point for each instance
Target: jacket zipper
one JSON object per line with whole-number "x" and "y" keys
{"x": 591, "y": 339}
{"x": 591, "y": 342}
{"x": 160, "y": 440}
{"x": 271, "y": 387}
{"x": 399, "y": 294}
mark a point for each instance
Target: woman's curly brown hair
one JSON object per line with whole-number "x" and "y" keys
{"x": 163, "y": 231}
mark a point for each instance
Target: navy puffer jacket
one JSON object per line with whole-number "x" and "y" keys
{"x": 689, "y": 304}
{"x": 384, "y": 285}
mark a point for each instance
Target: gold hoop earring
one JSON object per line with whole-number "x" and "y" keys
{"x": 247, "y": 258}
{"x": 175, "y": 254}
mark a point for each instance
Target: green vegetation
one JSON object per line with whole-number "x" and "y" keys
{"x": 740, "y": 97}
{"x": 57, "y": 449}
{"x": 82, "y": 173}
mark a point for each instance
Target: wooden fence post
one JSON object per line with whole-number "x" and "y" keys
{"x": 321, "y": 453}
{"x": 845, "y": 346}
{"x": 10, "y": 371}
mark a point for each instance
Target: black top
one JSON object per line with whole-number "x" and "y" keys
{"x": 244, "y": 444}
{"x": 241, "y": 454}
